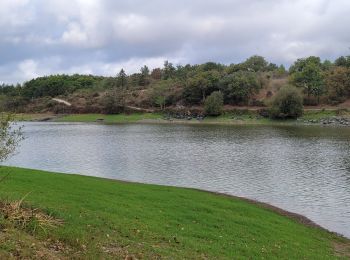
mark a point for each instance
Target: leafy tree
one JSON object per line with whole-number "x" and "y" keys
{"x": 10, "y": 137}
{"x": 338, "y": 84}
{"x": 200, "y": 85}
{"x": 214, "y": 103}
{"x": 343, "y": 61}
{"x": 255, "y": 63}
{"x": 238, "y": 87}
{"x": 271, "y": 67}
{"x": 327, "y": 65}
{"x": 161, "y": 92}
{"x": 209, "y": 66}
{"x": 307, "y": 73}
{"x": 287, "y": 103}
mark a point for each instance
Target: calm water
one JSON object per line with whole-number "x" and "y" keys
{"x": 301, "y": 169}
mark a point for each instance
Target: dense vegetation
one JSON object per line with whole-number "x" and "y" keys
{"x": 287, "y": 103}
{"x": 104, "y": 219}
{"x": 250, "y": 83}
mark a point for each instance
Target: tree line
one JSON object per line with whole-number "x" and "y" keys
{"x": 317, "y": 82}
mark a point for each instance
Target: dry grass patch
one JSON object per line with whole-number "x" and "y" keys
{"x": 27, "y": 217}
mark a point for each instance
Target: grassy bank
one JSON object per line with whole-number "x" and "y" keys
{"x": 120, "y": 118}
{"x": 232, "y": 117}
{"x": 104, "y": 218}
{"x": 244, "y": 116}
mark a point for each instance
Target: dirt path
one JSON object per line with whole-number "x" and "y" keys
{"x": 62, "y": 101}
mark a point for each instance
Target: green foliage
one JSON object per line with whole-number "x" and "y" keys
{"x": 199, "y": 86}
{"x": 214, "y": 103}
{"x": 256, "y": 64}
{"x": 209, "y": 66}
{"x": 343, "y": 61}
{"x": 240, "y": 84}
{"x": 168, "y": 71}
{"x": 161, "y": 93}
{"x": 238, "y": 87}
{"x": 10, "y": 136}
{"x": 287, "y": 103}
{"x": 144, "y": 76}
{"x": 56, "y": 85}
{"x": 308, "y": 74}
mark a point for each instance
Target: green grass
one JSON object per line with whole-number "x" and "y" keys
{"x": 31, "y": 117}
{"x": 111, "y": 219}
{"x": 120, "y": 118}
{"x": 232, "y": 117}
{"x": 318, "y": 114}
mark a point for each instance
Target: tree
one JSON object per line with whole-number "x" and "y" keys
{"x": 145, "y": 70}
{"x": 160, "y": 93}
{"x": 255, "y": 63}
{"x": 211, "y": 66}
{"x": 144, "y": 76}
{"x": 10, "y": 136}
{"x": 200, "y": 85}
{"x": 343, "y": 61}
{"x": 214, "y": 103}
{"x": 338, "y": 84}
{"x": 122, "y": 79}
{"x": 169, "y": 70}
{"x": 307, "y": 73}
{"x": 239, "y": 86}
{"x": 287, "y": 103}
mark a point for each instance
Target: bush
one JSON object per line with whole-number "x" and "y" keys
{"x": 287, "y": 103}
{"x": 214, "y": 103}
{"x": 238, "y": 87}
{"x": 338, "y": 84}
{"x": 112, "y": 103}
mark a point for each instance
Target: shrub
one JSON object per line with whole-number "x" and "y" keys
{"x": 239, "y": 86}
{"x": 112, "y": 103}
{"x": 287, "y": 103}
{"x": 338, "y": 84}
{"x": 214, "y": 103}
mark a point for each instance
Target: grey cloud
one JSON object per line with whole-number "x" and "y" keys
{"x": 92, "y": 36}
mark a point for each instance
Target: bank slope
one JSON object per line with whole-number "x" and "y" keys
{"x": 105, "y": 218}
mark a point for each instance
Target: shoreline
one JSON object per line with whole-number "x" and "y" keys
{"x": 311, "y": 118}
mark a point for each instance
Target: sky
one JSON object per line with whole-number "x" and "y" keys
{"x": 43, "y": 37}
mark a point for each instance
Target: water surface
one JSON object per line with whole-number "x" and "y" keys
{"x": 301, "y": 169}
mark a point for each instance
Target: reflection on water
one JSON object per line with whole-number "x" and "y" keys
{"x": 301, "y": 169}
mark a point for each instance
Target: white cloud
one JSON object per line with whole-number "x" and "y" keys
{"x": 99, "y": 36}
{"x": 28, "y": 69}
{"x": 74, "y": 35}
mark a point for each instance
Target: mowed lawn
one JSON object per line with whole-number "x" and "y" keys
{"x": 112, "y": 219}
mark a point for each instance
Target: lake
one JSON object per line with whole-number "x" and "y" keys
{"x": 303, "y": 169}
